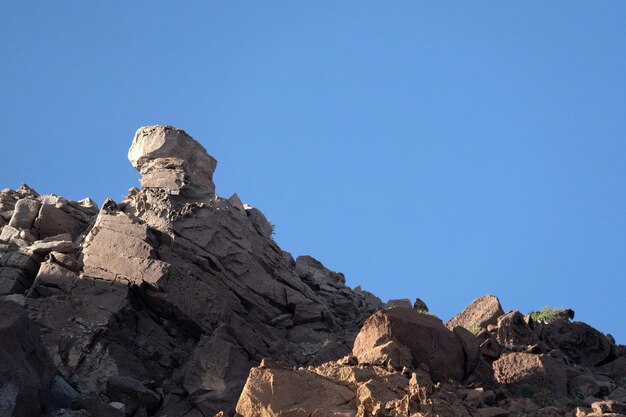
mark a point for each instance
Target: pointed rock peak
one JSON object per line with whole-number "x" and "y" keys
{"x": 170, "y": 159}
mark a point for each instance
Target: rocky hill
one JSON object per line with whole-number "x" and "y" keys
{"x": 176, "y": 302}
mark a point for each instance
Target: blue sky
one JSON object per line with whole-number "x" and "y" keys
{"x": 441, "y": 150}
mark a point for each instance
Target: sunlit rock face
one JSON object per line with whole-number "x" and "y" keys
{"x": 170, "y": 159}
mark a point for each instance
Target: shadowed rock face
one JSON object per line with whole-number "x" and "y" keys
{"x": 165, "y": 304}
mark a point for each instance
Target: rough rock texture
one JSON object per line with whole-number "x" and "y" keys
{"x": 513, "y": 331}
{"x": 26, "y": 371}
{"x": 425, "y": 337}
{"x": 174, "y": 287}
{"x": 580, "y": 342}
{"x": 536, "y": 371}
{"x": 167, "y": 302}
{"x": 171, "y": 160}
{"x": 481, "y": 312}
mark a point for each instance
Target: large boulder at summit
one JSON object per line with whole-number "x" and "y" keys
{"x": 170, "y": 159}
{"x": 481, "y": 312}
{"x": 26, "y": 371}
{"x": 425, "y": 338}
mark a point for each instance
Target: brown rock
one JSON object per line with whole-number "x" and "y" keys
{"x": 513, "y": 332}
{"x": 520, "y": 370}
{"x": 471, "y": 348}
{"x": 24, "y": 214}
{"x": 580, "y": 342}
{"x": 481, "y": 312}
{"x": 490, "y": 349}
{"x": 428, "y": 340}
{"x": 170, "y": 159}
{"x": 605, "y": 407}
{"x": 274, "y": 392}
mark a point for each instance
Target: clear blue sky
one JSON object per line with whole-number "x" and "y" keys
{"x": 442, "y": 150}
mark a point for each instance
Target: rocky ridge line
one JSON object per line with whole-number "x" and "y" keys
{"x": 165, "y": 304}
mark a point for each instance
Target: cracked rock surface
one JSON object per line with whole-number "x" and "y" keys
{"x": 176, "y": 302}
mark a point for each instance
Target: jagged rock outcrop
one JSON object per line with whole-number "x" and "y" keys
{"x": 173, "y": 287}
{"x": 175, "y": 302}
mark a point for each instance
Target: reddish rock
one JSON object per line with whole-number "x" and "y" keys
{"x": 513, "y": 332}
{"x": 481, "y": 312}
{"x": 519, "y": 370}
{"x": 580, "y": 342}
{"x": 275, "y": 392}
{"x": 428, "y": 340}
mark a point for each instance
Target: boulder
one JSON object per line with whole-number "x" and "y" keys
{"x": 481, "y": 312}
{"x": 580, "y": 342}
{"x": 26, "y": 371}
{"x": 606, "y": 407}
{"x": 60, "y": 243}
{"x": 615, "y": 369}
{"x": 520, "y": 371}
{"x": 24, "y": 214}
{"x": 420, "y": 305}
{"x": 513, "y": 332}
{"x": 277, "y": 392}
{"x": 425, "y": 337}
{"x": 53, "y": 221}
{"x": 471, "y": 348}
{"x": 316, "y": 275}
{"x": 170, "y": 159}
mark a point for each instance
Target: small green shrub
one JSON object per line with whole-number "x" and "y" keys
{"x": 428, "y": 313}
{"x": 475, "y": 329}
{"x": 578, "y": 395}
{"x": 548, "y": 314}
{"x": 543, "y": 397}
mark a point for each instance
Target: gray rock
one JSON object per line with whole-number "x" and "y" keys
{"x": 25, "y": 212}
{"x": 61, "y": 394}
{"x": 260, "y": 222}
{"x": 132, "y": 393}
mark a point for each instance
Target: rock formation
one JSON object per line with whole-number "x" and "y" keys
{"x": 175, "y": 302}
